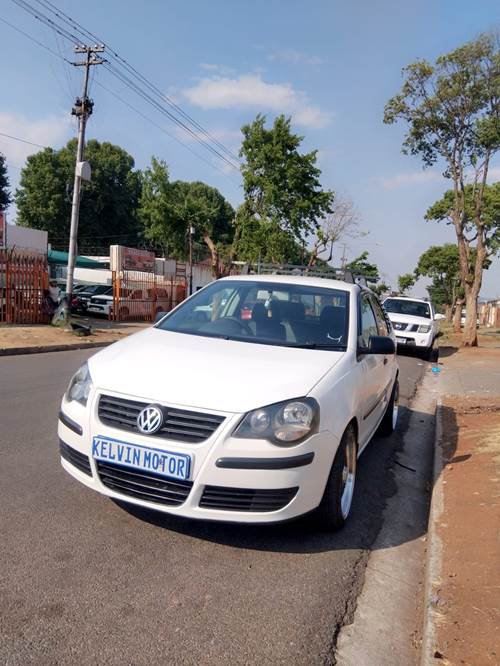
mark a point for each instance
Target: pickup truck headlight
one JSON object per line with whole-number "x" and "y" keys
{"x": 285, "y": 422}
{"x": 80, "y": 385}
{"x": 424, "y": 328}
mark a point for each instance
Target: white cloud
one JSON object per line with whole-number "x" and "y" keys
{"x": 49, "y": 131}
{"x": 295, "y": 57}
{"x": 251, "y": 91}
{"x": 403, "y": 179}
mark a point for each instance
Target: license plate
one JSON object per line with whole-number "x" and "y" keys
{"x": 164, "y": 463}
{"x": 401, "y": 341}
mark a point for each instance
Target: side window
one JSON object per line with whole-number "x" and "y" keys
{"x": 379, "y": 315}
{"x": 368, "y": 322}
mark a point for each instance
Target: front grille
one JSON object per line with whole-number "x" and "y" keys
{"x": 246, "y": 499}
{"x": 143, "y": 485}
{"x": 75, "y": 458}
{"x": 399, "y": 326}
{"x": 178, "y": 424}
{"x": 99, "y": 301}
{"x": 414, "y": 328}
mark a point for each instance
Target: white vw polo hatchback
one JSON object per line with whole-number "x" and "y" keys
{"x": 250, "y": 402}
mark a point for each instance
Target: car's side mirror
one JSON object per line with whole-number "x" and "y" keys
{"x": 439, "y": 317}
{"x": 159, "y": 315}
{"x": 381, "y": 344}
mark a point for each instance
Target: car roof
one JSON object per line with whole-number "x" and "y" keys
{"x": 326, "y": 283}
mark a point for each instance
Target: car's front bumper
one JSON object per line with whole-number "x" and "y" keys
{"x": 234, "y": 480}
{"x": 411, "y": 339}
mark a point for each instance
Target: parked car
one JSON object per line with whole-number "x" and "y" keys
{"x": 462, "y": 318}
{"x": 415, "y": 323}
{"x": 132, "y": 302}
{"x": 234, "y": 420}
{"x": 81, "y": 299}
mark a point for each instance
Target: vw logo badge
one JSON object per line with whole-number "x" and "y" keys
{"x": 150, "y": 420}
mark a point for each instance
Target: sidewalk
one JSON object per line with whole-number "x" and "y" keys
{"x": 463, "y": 559}
{"x": 19, "y": 339}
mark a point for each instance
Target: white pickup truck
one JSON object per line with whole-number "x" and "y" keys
{"x": 415, "y": 323}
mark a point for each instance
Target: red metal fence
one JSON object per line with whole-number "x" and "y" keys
{"x": 139, "y": 296}
{"x": 23, "y": 278}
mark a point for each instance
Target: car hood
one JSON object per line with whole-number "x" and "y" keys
{"x": 409, "y": 319}
{"x": 208, "y": 373}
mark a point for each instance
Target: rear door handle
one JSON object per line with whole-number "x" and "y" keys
{"x": 385, "y": 360}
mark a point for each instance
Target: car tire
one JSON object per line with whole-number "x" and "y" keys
{"x": 335, "y": 506}
{"x": 389, "y": 421}
{"x": 430, "y": 354}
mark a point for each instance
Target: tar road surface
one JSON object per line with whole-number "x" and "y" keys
{"x": 84, "y": 580}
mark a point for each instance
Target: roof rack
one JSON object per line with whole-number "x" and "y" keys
{"x": 328, "y": 272}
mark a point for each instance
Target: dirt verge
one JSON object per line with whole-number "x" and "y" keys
{"x": 466, "y": 600}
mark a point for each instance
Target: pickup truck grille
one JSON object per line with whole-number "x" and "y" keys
{"x": 178, "y": 424}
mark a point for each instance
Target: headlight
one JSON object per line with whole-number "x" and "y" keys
{"x": 424, "y": 328}
{"x": 80, "y": 385}
{"x": 281, "y": 423}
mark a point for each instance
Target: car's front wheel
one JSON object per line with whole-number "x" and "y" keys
{"x": 336, "y": 503}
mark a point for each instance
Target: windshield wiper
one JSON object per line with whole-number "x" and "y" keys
{"x": 318, "y": 345}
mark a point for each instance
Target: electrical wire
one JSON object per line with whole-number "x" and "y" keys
{"x": 123, "y": 101}
{"x": 16, "y": 138}
{"x": 75, "y": 25}
{"x": 197, "y": 134}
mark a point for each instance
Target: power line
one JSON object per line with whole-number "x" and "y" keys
{"x": 14, "y": 27}
{"x": 120, "y": 99}
{"x": 17, "y": 138}
{"x": 71, "y": 36}
{"x": 74, "y": 24}
{"x": 159, "y": 127}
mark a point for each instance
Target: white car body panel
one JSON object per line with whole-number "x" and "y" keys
{"x": 229, "y": 378}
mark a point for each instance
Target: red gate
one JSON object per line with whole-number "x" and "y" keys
{"x": 23, "y": 278}
{"x": 140, "y": 296}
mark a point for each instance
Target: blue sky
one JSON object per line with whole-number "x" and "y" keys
{"x": 330, "y": 65}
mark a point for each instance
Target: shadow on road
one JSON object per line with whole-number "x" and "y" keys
{"x": 374, "y": 485}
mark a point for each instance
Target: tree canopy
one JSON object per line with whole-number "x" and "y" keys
{"x": 283, "y": 195}
{"x": 108, "y": 208}
{"x": 5, "y": 197}
{"x": 406, "y": 282}
{"x": 452, "y": 111}
{"x": 168, "y": 210}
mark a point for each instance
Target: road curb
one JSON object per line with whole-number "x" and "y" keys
{"x": 18, "y": 351}
{"x": 432, "y": 577}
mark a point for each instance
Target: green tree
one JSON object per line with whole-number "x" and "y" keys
{"x": 108, "y": 208}
{"x": 452, "y": 109}
{"x": 441, "y": 264}
{"x": 169, "y": 209}
{"x": 406, "y": 282}
{"x": 283, "y": 195}
{"x": 364, "y": 267}
{"x": 5, "y": 197}
{"x": 157, "y": 211}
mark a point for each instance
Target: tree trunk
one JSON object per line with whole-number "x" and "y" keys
{"x": 448, "y": 313}
{"x": 214, "y": 255}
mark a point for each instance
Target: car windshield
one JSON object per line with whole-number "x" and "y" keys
{"x": 288, "y": 315}
{"x": 407, "y": 307}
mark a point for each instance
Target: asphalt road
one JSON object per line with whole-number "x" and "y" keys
{"x": 87, "y": 581}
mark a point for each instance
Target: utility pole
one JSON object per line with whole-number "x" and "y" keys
{"x": 82, "y": 110}
{"x": 344, "y": 257}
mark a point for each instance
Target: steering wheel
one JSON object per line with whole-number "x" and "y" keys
{"x": 242, "y": 324}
